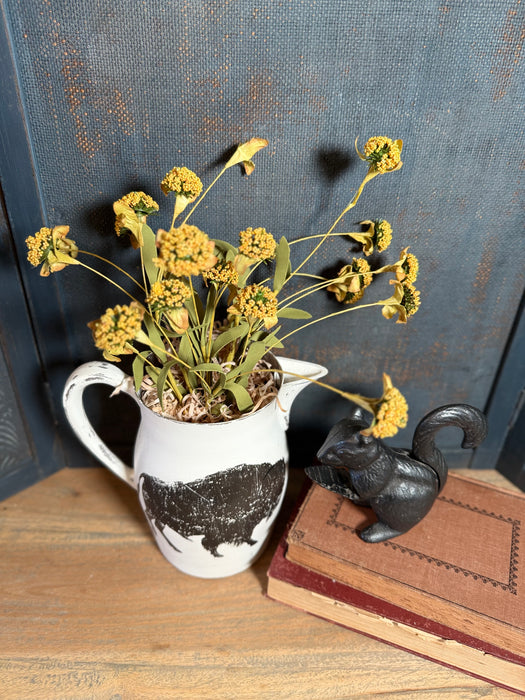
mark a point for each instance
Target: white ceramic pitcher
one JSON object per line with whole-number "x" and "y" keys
{"x": 210, "y": 492}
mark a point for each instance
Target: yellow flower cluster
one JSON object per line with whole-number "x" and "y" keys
{"x": 45, "y": 247}
{"x": 382, "y": 234}
{"x": 116, "y": 328}
{"x": 383, "y": 153}
{"x": 182, "y": 181}
{"x": 257, "y": 243}
{"x": 355, "y": 278}
{"x": 256, "y": 302}
{"x": 409, "y": 269}
{"x": 140, "y": 202}
{"x": 168, "y": 294}
{"x": 185, "y": 251}
{"x": 38, "y": 245}
{"x": 411, "y": 298}
{"x": 391, "y": 414}
{"x": 131, "y": 212}
{"x": 222, "y": 273}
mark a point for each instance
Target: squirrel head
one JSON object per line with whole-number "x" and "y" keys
{"x": 346, "y": 447}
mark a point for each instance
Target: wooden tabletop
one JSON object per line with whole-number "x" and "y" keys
{"x": 91, "y": 609}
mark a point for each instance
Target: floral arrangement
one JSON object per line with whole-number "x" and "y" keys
{"x": 205, "y": 324}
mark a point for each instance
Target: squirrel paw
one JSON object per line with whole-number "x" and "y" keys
{"x": 378, "y": 532}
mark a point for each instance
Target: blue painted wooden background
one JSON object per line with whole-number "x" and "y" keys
{"x": 115, "y": 94}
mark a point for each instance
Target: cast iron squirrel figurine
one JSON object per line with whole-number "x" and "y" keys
{"x": 399, "y": 485}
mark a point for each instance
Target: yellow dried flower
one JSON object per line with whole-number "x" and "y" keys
{"x": 352, "y": 282}
{"x": 256, "y": 302}
{"x": 378, "y": 235}
{"x": 51, "y": 248}
{"x": 115, "y": 329}
{"x": 182, "y": 181}
{"x": 411, "y": 298}
{"x": 391, "y": 413}
{"x": 257, "y": 243}
{"x": 382, "y": 234}
{"x": 184, "y": 251}
{"x": 140, "y": 202}
{"x": 222, "y": 273}
{"x": 38, "y": 245}
{"x": 383, "y": 153}
{"x": 404, "y": 302}
{"x": 408, "y": 270}
{"x": 131, "y": 212}
{"x": 170, "y": 293}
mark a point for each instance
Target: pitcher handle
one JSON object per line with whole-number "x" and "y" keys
{"x": 72, "y": 400}
{"x": 293, "y": 383}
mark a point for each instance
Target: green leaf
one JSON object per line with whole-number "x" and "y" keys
{"x": 209, "y": 313}
{"x": 195, "y": 309}
{"x": 282, "y": 265}
{"x": 224, "y": 247}
{"x": 245, "y": 152}
{"x": 155, "y": 337}
{"x": 184, "y": 350}
{"x": 138, "y": 369}
{"x": 188, "y": 304}
{"x": 269, "y": 339}
{"x": 152, "y": 372}
{"x": 185, "y": 354}
{"x": 200, "y": 307}
{"x": 229, "y": 336}
{"x": 243, "y": 278}
{"x": 219, "y": 386}
{"x": 289, "y": 312}
{"x": 149, "y": 251}
{"x": 263, "y": 334}
{"x": 141, "y": 337}
{"x": 208, "y": 367}
{"x": 240, "y": 394}
{"x": 256, "y": 351}
{"x": 161, "y": 380}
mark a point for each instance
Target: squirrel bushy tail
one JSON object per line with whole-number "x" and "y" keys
{"x": 469, "y": 419}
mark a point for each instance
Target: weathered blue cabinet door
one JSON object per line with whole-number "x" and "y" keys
{"x": 112, "y": 95}
{"x": 28, "y": 446}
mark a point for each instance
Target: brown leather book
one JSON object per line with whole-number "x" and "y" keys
{"x": 458, "y": 575}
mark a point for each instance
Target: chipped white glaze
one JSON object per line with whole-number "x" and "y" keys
{"x": 196, "y": 480}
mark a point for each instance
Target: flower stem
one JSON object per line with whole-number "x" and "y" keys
{"x": 92, "y": 269}
{"x": 299, "y": 294}
{"x": 324, "y": 318}
{"x": 252, "y": 270}
{"x": 317, "y": 235}
{"x": 170, "y": 378}
{"x": 174, "y": 215}
{"x": 370, "y": 174}
{"x": 142, "y": 266}
{"x": 99, "y": 257}
{"x": 219, "y": 293}
{"x": 306, "y": 291}
{"x": 201, "y": 197}
{"x": 246, "y": 342}
{"x": 203, "y": 330}
{"x": 356, "y": 398}
{"x": 314, "y": 277}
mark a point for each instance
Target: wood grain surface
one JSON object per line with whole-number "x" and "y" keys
{"x": 90, "y": 609}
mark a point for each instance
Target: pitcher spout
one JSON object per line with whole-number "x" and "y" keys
{"x": 297, "y": 375}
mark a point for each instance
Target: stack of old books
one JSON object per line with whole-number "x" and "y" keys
{"x": 452, "y": 589}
